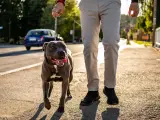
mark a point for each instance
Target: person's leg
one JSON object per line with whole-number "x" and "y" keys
{"x": 90, "y": 25}
{"x": 110, "y": 19}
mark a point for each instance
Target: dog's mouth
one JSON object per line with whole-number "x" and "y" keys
{"x": 59, "y": 62}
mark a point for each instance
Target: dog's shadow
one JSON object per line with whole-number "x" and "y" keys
{"x": 110, "y": 114}
{"x": 89, "y": 112}
{"x": 40, "y": 108}
{"x": 57, "y": 115}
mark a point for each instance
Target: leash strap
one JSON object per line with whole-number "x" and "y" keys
{"x": 55, "y": 28}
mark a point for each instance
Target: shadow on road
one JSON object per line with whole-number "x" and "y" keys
{"x": 10, "y": 46}
{"x": 56, "y": 116}
{"x": 41, "y": 106}
{"x": 110, "y": 114}
{"x": 44, "y": 117}
{"x": 89, "y": 112}
{"x": 20, "y": 53}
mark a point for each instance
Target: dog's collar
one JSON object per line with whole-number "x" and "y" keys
{"x": 59, "y": 62}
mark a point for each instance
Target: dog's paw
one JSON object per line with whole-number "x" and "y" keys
{"x": 47, "y": 105}
{"x": 60, "y": 109}
{"x": 69, "y": 96}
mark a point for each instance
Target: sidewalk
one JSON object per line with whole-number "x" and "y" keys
{"x": 138, "y": 88}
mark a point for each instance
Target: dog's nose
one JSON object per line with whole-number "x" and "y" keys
{"x": 61, "y": 53}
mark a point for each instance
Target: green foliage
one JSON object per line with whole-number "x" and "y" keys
{"x": 47, "y": 21}
{"x": 145, "y": 22}
{"x": 17, "y": 17}
{"x": 10, "y": 16}
{"x": 141, "y": 23}
{"x": 65, "y": 22}
{"x": 130, "y": 34}
{"x": 22, "y": 15}
{"x": 123, "y": 34}
{"x": 158, "y": 14}
{"x": 32, "y": 13}
{"x": 145, "y": 43}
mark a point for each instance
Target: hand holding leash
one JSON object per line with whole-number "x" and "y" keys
{"x": 58, "y": 9}
{"x": 133, "y": 10}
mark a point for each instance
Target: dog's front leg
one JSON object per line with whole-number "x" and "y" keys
{"x": 65, "y": 84}
{"x": 47, "y": 104}
{"x": 50, "y": 88}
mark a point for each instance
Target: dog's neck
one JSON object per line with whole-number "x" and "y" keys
{"x": 47, "y": 61}
{"x": 56, "y": 62}
{"x": 60, "y": 62}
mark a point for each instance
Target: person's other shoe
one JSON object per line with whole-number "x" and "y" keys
{"x": 111, "y": 95}
{"x": 90, "y": 98}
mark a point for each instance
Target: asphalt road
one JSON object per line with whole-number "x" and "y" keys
{"x": 138, "y": 83}
{"x": 16, "y": 56}
{"x": 21, "y": 93}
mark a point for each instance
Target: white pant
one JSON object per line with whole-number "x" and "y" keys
{"x": 106, "y": 12}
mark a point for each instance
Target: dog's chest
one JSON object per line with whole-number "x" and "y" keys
{"x": 56, "y": 76}
{"x": 56, "y": 71}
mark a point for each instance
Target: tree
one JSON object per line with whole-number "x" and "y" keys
{"x": 141, "y": 23}
{"x": 145, "y": 22}
{"x": 158, "y": 14}
{"x": 65, "y": 22}
{"x": 123, "y": 34}
{"x": 10, "y": 15}
{"x": 32, "y": 13}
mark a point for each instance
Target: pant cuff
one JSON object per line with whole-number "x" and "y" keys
{"x": 92, "y": 89}
{"x": 109, "y": 86}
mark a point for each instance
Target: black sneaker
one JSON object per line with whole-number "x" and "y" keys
{"x": 111, "y": 95}
{"x": 90, "y": 98}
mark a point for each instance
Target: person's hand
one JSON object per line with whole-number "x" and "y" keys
{"x": 133, "y": 10}
{"x": 58, "y": 9}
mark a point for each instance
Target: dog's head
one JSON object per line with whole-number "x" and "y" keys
{"x": 55, "y": 52}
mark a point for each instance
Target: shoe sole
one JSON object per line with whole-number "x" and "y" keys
{"x": 109, "y": 103}
{"x": 97, "y": 99}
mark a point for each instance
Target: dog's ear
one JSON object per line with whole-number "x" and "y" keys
{"x": 63, "y": 43}
{"x": 44, "y": 46}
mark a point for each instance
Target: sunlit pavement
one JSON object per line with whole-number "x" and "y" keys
{"x": 16, "y": 58}
{"x": 137, "y": 88}
{"x": 122, "y": 46}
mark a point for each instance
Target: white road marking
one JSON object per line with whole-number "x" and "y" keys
{"x": 29, "y": 66}
{"x": 100, "y": 58}
{"x": 19, "y": 69}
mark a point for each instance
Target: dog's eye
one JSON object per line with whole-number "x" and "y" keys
{"x": 63, "y": 46}
{"x": 53, "y": 46}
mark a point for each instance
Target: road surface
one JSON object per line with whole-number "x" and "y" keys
{"x": 138, "y": 83}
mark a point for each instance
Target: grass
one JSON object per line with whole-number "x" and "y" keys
{"x": 145, "y": 43}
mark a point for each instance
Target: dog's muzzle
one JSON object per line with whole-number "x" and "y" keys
{"x": 59, "y": 62}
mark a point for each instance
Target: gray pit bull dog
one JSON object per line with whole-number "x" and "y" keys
{"x": 57, "y": 66}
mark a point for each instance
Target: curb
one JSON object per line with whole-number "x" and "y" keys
{"x": 156, "y": 49}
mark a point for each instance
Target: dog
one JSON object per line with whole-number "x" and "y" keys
{"x": 57, "y": 66}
